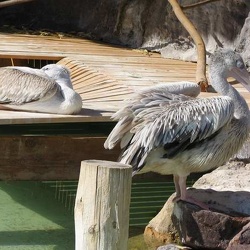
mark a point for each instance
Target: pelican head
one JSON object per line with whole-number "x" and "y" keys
{"x": 58, "y": 73}
{"x": 230, "y": 64}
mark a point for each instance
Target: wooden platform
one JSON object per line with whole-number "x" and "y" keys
{"x": 103, "y": 74}
{"x": 50, "y": 147}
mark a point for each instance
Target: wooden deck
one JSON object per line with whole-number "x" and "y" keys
{"x": 103, "y": 74}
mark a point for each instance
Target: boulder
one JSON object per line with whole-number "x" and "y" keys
{"x": 172, "y": 247}
{"x": 233, "y": 176}
{"x": 200, "y": 228}
{"x": 241, "y": 241}
{"x": 160, "y": 229}
{"x": 226, "y": 191}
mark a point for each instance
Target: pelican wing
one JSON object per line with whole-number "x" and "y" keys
{"x": 19, "y": 87}
{"x": 185, "y": 88}
{"x": 172, "y": 125}
{"x": 156, "y": 96}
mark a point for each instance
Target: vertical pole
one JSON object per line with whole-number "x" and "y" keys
{"x": 102, "y": 206}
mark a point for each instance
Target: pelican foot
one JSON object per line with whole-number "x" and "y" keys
{"x": 176, "y": 198}
{"x": 192, "y": 201}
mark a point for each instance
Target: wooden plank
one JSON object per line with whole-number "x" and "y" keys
{"x": 104, "y": 75}
{"x": 92, "y": 114}
{"x": 49, "y": 157}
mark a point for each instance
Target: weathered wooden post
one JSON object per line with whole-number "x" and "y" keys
{"x": 102, "y": 206}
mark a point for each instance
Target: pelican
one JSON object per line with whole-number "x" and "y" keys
{"x": 166, "y": 129}
{"x": 46, "y": 90}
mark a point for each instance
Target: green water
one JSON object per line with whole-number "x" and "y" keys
{"x": 32, "y": 219}
{"x": 136, "y": 241}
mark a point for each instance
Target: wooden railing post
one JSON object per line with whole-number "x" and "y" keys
{"x": 102, "y": 206}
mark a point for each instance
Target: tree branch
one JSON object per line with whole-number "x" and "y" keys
{"x": 198, "y": 4}
{"x": 12, "y": 2}
{"x": 201, "y": 51}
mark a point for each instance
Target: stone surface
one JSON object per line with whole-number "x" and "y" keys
{"x": 234, "y": 203}
{"x": 243, "y": 44}
{"x": 233, "y": 176}
{"x": 216, "y": 30}
{"x": 172, "y": 247}
{"x": 139, "y": 23}
{"x": 160, "y": 229}
{"x": 242, "y": 240}
{"x": 244, "y": 153}
{"x": 226, "y": 191}
{"x": 199, "y": 228}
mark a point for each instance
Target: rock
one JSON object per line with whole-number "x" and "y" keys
{"x": 226, "y": 191}
{"x": 160, "y": 229}
{"x": 235, "y": 203}
{"x": 216, "y": 30}
{"x": 172, "y": 247}
{"x": 244, "y": 41}
{"x": 200, "y": 229}
{"x": 233, "y": 176}
{"x": 242, "y": 240}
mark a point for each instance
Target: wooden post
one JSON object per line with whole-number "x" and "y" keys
{"x": 102, "y": 206}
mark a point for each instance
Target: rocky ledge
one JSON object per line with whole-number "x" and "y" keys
{"x": 226, "y": 225}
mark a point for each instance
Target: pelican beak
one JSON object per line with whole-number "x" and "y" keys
{"x": 242, "y": 76}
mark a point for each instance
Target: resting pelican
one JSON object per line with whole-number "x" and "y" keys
{"x": 46, "y": 90}
{"x": 165, "y": 129}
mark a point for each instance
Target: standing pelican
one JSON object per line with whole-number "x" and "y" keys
{"x": 165, "y": 129}
{"x": 46, "y": 90}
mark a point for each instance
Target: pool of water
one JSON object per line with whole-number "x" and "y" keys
{"x": 32, "y": 219}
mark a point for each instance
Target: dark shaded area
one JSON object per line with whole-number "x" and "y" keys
{"x": 84, "y": 18}
{"x": 88, "y": 129}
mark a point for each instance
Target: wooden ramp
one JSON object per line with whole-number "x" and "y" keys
{"x": 104, "y": 75}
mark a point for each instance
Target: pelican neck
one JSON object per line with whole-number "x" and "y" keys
{"x": 221, "y": 85}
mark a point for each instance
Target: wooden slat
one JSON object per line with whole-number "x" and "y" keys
{"x": 95, "y": 87}
{"x": 103, "y": 74}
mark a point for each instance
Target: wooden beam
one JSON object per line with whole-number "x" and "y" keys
{"x": 49, "y": 157}
{"x": 102, "y": 206}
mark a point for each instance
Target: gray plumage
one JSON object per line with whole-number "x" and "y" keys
{"x": 166, "y": 129}
{"x": 47, "y": 90}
